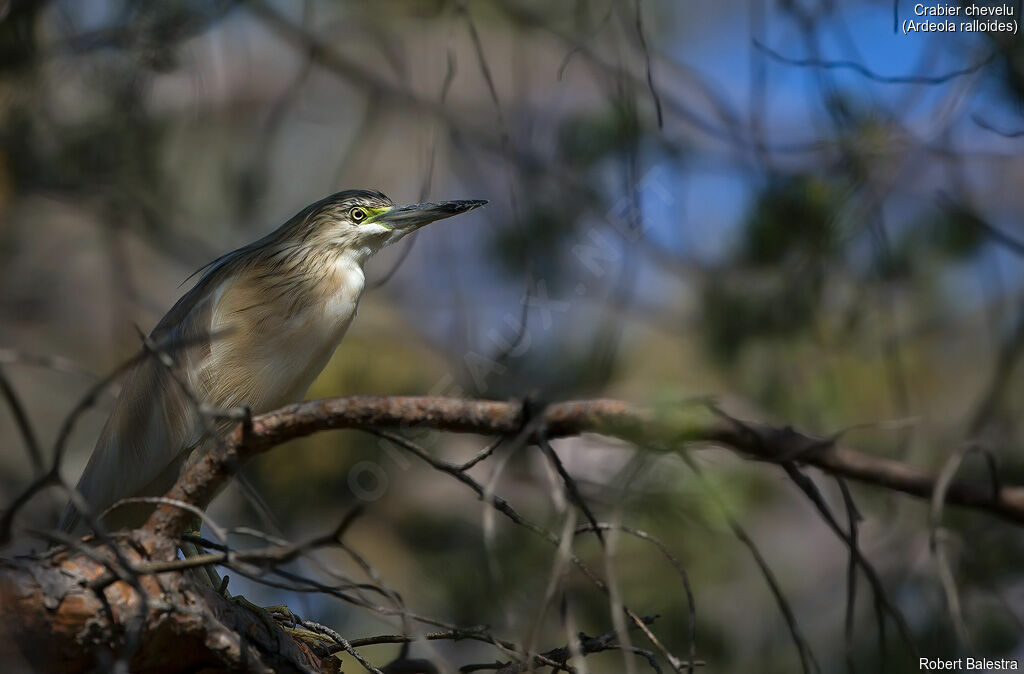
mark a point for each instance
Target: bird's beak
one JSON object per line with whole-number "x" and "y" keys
{"x": 408, "y": 218}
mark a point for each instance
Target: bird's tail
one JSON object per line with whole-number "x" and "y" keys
{"x": 69, "y": 519}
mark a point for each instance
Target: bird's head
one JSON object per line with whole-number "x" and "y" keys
{"x": 364, "y": 221}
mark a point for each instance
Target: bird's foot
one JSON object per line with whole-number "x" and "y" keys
{"x": 192, "y": 546}
{"x": 316, "y": 636}
{"x": 281, "y": 616}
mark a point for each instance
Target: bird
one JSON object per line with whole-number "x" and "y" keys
{"x": 254, "y": 331}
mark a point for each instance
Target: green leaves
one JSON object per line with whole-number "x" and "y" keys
{"x": 954, "y": 234}
{"x": 538, "y": 242}
{"x": 772, "y": 284}
{"x": 738, "y": 311}
{"x": 793, "y": 216}
{"x": 958, "y": 232}
{"x": 587, "y": 139}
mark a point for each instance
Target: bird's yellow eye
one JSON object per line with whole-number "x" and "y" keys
{"x": 357, "y": 214}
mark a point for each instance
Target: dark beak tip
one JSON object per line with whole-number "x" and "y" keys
{"x": 418, "y": 215}
{"x": 458, "y": 206}
{"x": 469, "y": 204}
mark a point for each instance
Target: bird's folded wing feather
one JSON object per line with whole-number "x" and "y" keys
{"x": 154, "y": 423}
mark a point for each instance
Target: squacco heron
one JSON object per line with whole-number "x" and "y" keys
{"x": 256, "y": 329}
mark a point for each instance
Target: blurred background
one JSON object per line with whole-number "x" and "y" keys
{"x": 791, "y": 207}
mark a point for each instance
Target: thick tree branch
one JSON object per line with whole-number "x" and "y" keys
{"x": 63, "y": 622}
{"x": 609, "y": 417}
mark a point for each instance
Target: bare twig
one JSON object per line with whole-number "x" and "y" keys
{"x": 811, "y": 491}
{"x": 870, "y": 74}
{"x": 808, "y": 662}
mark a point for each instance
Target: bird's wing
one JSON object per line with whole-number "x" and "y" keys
{"x": 154, "y": 422}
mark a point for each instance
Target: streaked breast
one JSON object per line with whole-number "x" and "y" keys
{"x": 280, "y": 333}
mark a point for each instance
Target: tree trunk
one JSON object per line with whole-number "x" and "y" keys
{"x": 62, "y": 613}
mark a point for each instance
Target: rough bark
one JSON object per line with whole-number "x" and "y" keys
{"x": 62, "y": 620}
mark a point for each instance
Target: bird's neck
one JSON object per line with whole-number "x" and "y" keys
{"x": 306, "y": 275}
{"x": 338, "y": 274}
{"x": 348, "y": 272}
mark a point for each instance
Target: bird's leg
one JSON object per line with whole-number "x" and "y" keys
{"x": 265, "y": 615}
{"x": 271, "y": 616}
{"x": 206, "y": 573}
{"x": 209, "y": 576}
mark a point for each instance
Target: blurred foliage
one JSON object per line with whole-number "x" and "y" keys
{"x": 793, "y": 219}
{"x": 806, "y": 267}
{"x": 958, "y": 232}
{"x": 534, "y": 242}
{"x": 588, "y": 139}
{"x": 789, "y": 241}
